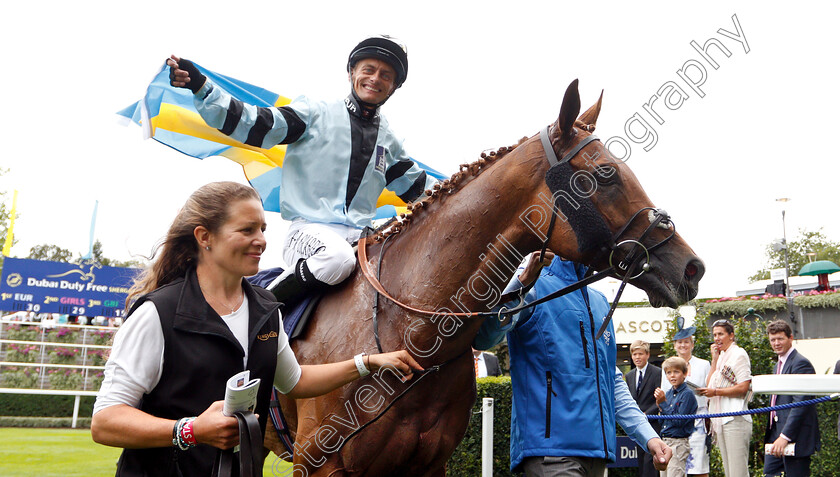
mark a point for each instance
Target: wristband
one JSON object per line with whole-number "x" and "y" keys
{"x": 360, "y": 365}
{"x": 187, "y": 434}
{"x": 182, "y": 434}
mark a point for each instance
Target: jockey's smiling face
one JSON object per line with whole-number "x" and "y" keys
{"x": 373, "y": 80}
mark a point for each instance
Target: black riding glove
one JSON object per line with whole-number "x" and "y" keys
{"x": 196, "y": 78}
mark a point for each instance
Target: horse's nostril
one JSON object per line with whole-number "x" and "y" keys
{"x": 694, "y": 270}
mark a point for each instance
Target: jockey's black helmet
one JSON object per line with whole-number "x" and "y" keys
{"x": 385, "y": 48}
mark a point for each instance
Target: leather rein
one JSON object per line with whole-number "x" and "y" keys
{"x": 624, "y": 268}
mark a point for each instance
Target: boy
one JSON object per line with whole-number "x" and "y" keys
{"x": 678, "y": 400}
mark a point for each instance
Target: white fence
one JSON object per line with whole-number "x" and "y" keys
{"x": 55, "y": 359}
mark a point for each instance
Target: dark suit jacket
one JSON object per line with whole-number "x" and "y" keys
{"x": 492, "y": 363}
{"x": 800, "y": 423}
{"x": 645, "y": 399}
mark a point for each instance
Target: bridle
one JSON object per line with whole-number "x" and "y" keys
{"x": 627, "y": 268}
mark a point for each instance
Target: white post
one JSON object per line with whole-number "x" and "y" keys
{"x": 76, "y": 410}
{"x": 487, "y": 437}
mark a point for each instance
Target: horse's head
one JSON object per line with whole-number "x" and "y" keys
{"x": 603, "y": 217}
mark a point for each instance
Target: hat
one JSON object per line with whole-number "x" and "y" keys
{"x": 683, "y": 332}
{"x": 383, "y": 48}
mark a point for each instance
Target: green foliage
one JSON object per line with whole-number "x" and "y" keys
{"x": 826, "y": 462}
{"x": 52, "y": 253}
{"x": 5, "y": 215}
{"x": 24, "y": 377}
{"x": 98, "y": 256}
{"x": 740, "y": 306}
{"x": 820, "y": 300}
{"x": 43, "y": 405}
{"x": 21, "y": 353}
{"x": 64, "y": 334}
{"x": 44, "y": 422}
{"x": 64, "y": 378}
{"x": 466, "y": 460}
{"x": 18, "y": 332}
{"x": 797, "y": 253}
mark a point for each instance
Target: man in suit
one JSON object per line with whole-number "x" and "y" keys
{"x": 797, "y": 425}
{"x": 643, "y": 381}
{"x": 486, "y": 364}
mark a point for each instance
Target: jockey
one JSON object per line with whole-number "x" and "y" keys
{"x": 340, "y": 156}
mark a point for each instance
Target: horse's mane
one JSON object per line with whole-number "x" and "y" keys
{"x": 450, "y": 186}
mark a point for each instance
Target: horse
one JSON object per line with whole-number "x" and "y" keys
{"x": 452, "y": 254}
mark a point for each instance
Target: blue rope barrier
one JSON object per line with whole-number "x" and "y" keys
{"x": 659, "y": 417}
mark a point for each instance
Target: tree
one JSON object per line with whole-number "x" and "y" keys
{"x": 52, "y": 253}
{"x": 5, "y": 215}
{"x": 798, "y": 249}
{"x": 108, "y": 262}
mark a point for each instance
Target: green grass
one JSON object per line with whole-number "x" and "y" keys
{"x": 25, "y": 452}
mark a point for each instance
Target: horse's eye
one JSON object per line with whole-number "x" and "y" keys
{"x": 605, "y": 175}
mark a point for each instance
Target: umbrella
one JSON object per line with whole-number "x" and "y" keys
{"x": 819, "y": 267}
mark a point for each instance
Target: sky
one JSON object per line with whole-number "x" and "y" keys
{"x": 481, "y": 75}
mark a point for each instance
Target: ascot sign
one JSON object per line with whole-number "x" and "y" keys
{"x": 647, "y": 323}
{"x": 88, "y": 289}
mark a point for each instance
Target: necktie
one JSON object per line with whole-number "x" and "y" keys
{"x": 773, "y": 397}
{"x": 639, "y": 383}
{"x": 475, "y": 361}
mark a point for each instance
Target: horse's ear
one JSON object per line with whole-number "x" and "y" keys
{"x": 569, "y": 110}
{"x": 590, "y": 116}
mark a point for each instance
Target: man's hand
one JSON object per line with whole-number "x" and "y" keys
{"x": 184, "y": 74}
{"x": 779, "y": 447}
{"x": 661, "y": 453}
{"x": 532, "y": 269}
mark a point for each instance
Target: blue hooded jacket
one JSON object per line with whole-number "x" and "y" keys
{"x": 567, "y": 391}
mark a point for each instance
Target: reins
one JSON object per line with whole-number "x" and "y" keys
{"x": 656, "y": 217}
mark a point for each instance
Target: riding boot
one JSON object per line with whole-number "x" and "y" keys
{"x": 293, "y": 284}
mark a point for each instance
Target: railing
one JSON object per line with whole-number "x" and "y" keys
{"x": 54, "y": 359}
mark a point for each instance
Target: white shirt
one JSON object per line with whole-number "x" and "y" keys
{"x": 135, "y": 364}
{"x": 482, "y": 365}
{"x": 733, "y": 367}
{"x": 640, "y": 375}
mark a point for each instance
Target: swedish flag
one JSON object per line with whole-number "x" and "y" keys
{"x": 167, "y": 115}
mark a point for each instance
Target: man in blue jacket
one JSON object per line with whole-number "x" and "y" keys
{"x": 340, "y": 156}
{"x": 567, "y": 392}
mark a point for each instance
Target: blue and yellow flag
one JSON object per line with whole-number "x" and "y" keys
{"x": 167, "y": 115}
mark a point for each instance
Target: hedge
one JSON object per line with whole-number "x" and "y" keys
{"x": 466, "y": 460}
{"x": 43, "y": 405}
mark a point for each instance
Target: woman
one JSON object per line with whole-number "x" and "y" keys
{"x": 729, "y": 391}
{"x": 193, "y": 324}
{"x": 698, "y": 372}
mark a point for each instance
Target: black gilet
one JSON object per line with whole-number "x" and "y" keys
{"x": 200, "y": 355}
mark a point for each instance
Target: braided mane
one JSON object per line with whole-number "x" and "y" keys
{"x": 445, "y": 187}
{"x": 450, "y": 186}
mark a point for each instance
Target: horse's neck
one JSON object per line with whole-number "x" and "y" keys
{"x": 459, "y": 256}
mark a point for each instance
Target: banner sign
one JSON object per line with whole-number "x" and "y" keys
{"x": 625, "y": 453}
{"x": 87, "y": 289}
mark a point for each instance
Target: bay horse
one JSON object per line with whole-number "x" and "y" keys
{"x": 454, "y": 252}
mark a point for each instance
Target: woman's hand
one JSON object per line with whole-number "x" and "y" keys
{"x": 212, "y": 427}
{"x": 398, "y": 360}
{"x": 708, "y": 392}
